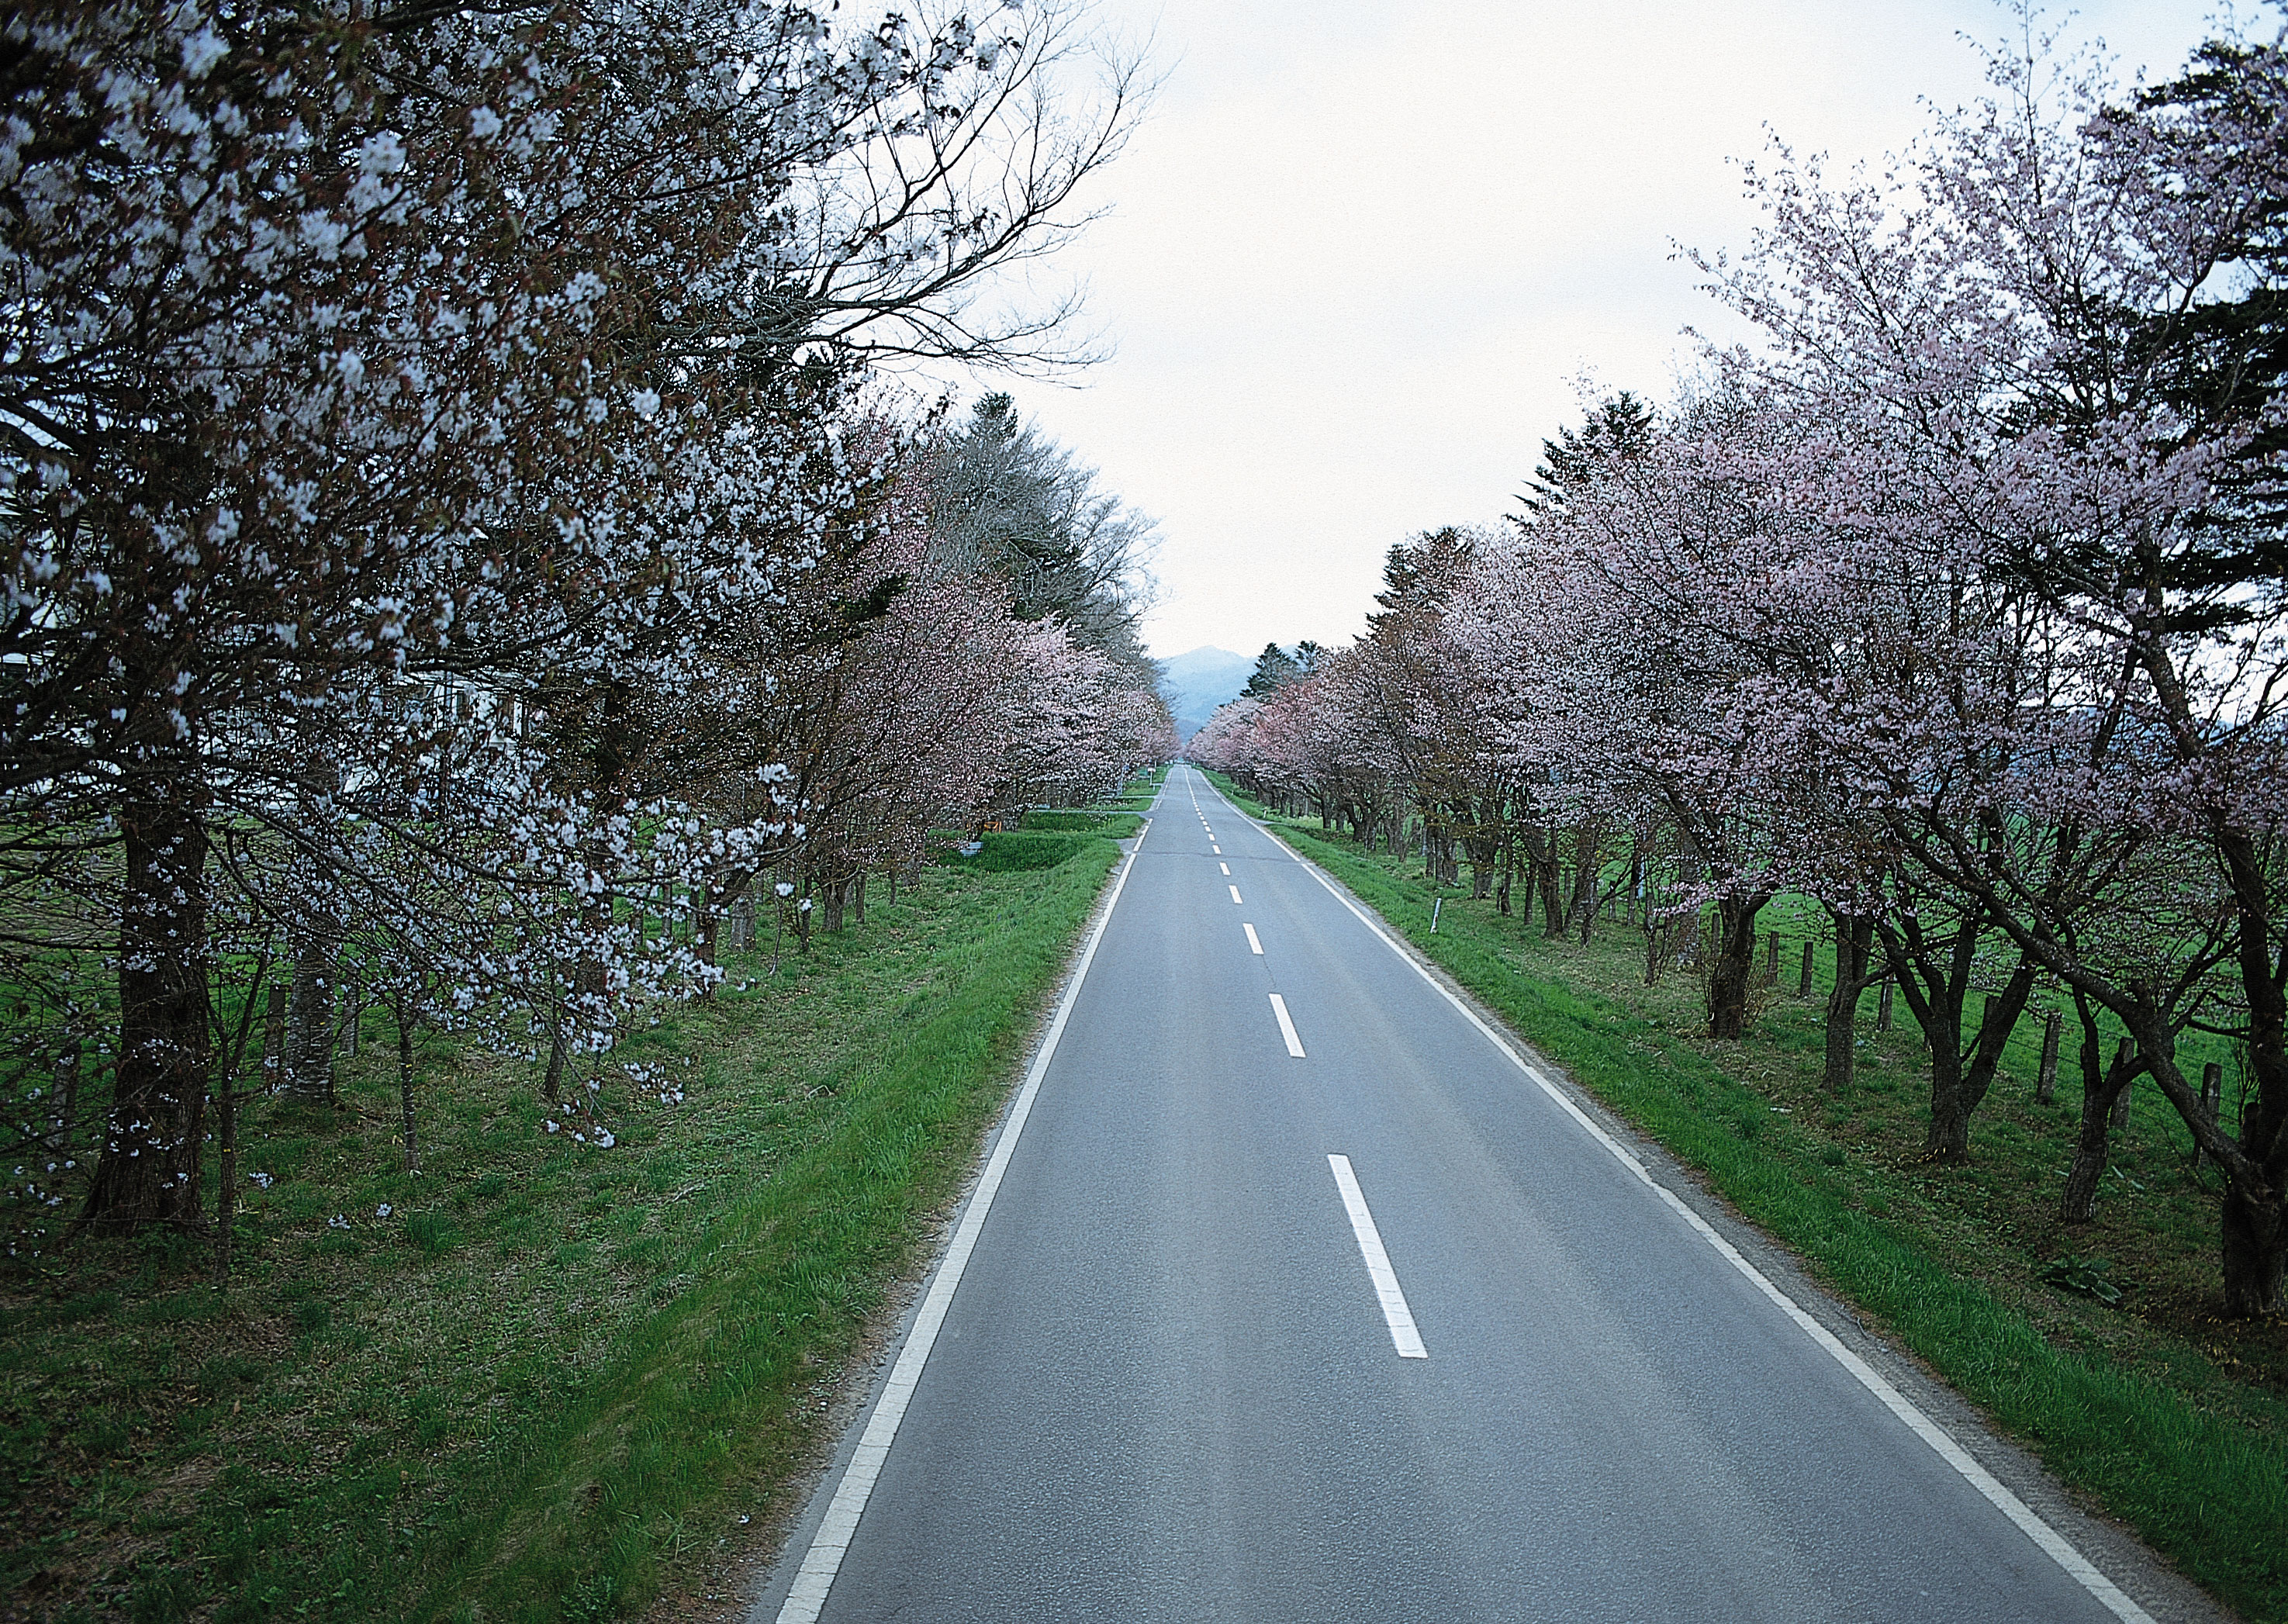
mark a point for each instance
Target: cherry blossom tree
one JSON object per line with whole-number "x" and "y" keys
{"x": 2035, "y": 348}
{"x": 395, "y": 395}
{"x": 1956, "y": 605}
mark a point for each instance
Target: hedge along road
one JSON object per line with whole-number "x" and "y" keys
{"x": 1293, "y": 1291}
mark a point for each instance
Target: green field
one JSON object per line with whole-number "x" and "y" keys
{"x": 542, "y": 1379}
{"x": 2153, "y": 1409}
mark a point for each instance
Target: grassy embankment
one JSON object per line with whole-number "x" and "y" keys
{"x": 2156, "y": 1410}
{"x": 541, "y": 1378}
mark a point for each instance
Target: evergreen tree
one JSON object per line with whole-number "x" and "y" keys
{"x": 1621, "y": 426}
{"x": 1275, "y": 668}
{"x": 1007, "y": 501}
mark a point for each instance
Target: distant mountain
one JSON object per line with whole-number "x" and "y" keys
{"x": 1198, "y": 682}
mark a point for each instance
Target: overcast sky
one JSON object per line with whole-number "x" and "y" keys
{"x": 1361, "y": 250}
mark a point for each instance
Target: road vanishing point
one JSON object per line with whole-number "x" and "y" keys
{"x": 1293, "y": 1290}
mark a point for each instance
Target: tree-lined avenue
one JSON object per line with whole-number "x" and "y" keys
{"x": 1485, "y": 1371}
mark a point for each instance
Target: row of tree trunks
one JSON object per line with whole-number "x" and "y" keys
{"x": 1934, "y": 973}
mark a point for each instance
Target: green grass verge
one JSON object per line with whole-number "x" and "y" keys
{"x": 542, "y": 1379}
{"x": 1116, "y": 826}
{"x": 2155, "y": 1411}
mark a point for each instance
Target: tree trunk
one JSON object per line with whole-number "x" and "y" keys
{"x": 2253, "y": 1232}
{"x": 315, "y": 936}
{"x": 69, "y": 1065}
{"x": 147, "y": 1169}
{"x": 552, "y": 1084}
{"x": 704, "y": 923}
{"x": 309, "y": 1067}
{"x": 225, "y": 1169}
{"x": 232, "y": 1058}
{"x": 1958, "y": 1088}
{"x": 2212, "y": 1103}
{"x": 2254, "y": 1247}
{"x": 1934, "y": 974}
{"x": 1733, "y": 967}
{"x": 1657, "y": 934}
{"x": 1947, "y": 1137}
{"x": 274, "y": 1040}
{"x": 589, "y": 980}
{"x": 1553, "y": 900}
{"x": 2045, "y": 1082}
{"x": 1588, "y": 842}
{"x": 1855, "y": 941}
{"x": 405, "y": 1084}
{"x": 739, "y": 914}
{"x": 2100, "y": 1086}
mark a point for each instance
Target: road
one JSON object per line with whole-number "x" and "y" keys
{"x": 1297, "y": 1297}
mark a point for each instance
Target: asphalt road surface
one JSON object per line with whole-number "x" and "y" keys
{"x": 1290, "y": 1295}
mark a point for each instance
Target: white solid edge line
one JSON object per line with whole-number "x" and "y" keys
{"x": 2029, "y": 1522}
{"x": 807, "y": 1596}
{"x": 1253, "y": 945}
{"x": 1234, "y": 893}
{"x": 1286, "y": 1026}
{"x": 1403, "y": 1335}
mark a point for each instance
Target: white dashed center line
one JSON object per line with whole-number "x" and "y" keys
{"x": 1253, "y": 945}
{"x": 1400, "y": 1318}
{"x": 1235, "y": 893}
{"x": 1286, "y": 1027}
